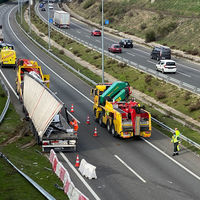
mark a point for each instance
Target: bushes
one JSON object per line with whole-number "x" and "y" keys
{"x": 148, "y": 79}
{"x": 88, "y": 3}
{"x": 160, "y": 95}
{"x": 165, "y": 30}
{"x": 195, "y": 106}
{"x": 150, "y": 36}
{"x": 143, "y": 26}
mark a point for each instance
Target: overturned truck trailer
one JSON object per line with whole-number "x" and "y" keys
{"x": 43, "y": 108}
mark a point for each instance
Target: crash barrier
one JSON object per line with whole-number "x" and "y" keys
{"x": 87, "y": 170}
{"x": 147, "y": 70}
{"x": 68, "y": 186}
{"x": 173, "y": 131}
{"x": 94, "y": 83}
{"x": 38, "y": 187}
{"x": 7, "y": 101}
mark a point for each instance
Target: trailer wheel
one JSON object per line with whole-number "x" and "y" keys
{"x": 108, "y": 126}
{"x": 114, "y": 134}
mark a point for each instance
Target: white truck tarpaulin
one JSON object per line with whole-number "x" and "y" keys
{"x": 41, "y": 104}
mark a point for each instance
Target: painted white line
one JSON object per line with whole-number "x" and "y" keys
{"x": 9, "y": 84}
{"x": 80, "y": 177}
{"x": 87, "y": 36}
{"x": 183, "y": 74}
{"x": 92, "y": 101}
{"x": 189, "y": 67}
{"x": 176, "y": 162}
{"x": 44, "y": 63}
{"x": 130, "y": 168}
{"x": 130, "y": 54}
{"x": 151, "y": 62}
{"x": 78, "y": 32}
{"x": 141, "y": 51}
{"x": 98, "y": 41}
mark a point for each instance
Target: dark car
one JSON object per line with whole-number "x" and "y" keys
{"x": 160, "y": 53}
{"x": 96, "y": 32}
{"x": 115, "y": 48}
{"x": 126, "y": 43}
{"x": 43, "y": 9}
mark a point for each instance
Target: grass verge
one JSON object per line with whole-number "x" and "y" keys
{"x": 115, "y": 72}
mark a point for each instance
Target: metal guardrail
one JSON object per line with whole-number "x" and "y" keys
{"x": 155, "y": 120}
{"x": 7, "y": 101}
{"x": 38, "y": 187}
{"x": 172, "y": 131}
{"x": 157, "y": 74}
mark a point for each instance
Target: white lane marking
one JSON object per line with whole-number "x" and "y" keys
{"x": 73, "y": 117}
{"x": 130, "y": 168}
{"x": 151, "y": 62}
{"x": 9, "y": 84}
{"x": 176, "y": 162}
{"x": 183, "y": 74}
{"x": 189, "y": 67}
{"x": 78, "y": 32}
{"x": 98, "y": 41}
{"x": 87, "y": 36}
{"x": 92, "y": 101}
{"x": 44, "y": 63}
{"x": 80, "y": 177}
{"x": 130, "y": 54}
{"x": 141, "y": 51}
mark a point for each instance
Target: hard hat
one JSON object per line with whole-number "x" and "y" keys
{"x": 176, "y": 129}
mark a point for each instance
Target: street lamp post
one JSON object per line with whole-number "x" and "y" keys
{"x": 48, "y": 26}
{"x": 29, "y": 16}
{"x": 21, "y": 11}
{"x": 102, "y": 38}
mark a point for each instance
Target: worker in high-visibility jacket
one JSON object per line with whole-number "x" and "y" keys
{"x": 74, "y": 123}
{"x": 176, "y": 140}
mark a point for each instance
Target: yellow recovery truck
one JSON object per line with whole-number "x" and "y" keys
{"x": 32, "y": 68}
{"x": 122, "y": 118}
{"x": 7, "y": 55}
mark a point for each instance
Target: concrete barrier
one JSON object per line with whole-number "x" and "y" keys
{"x": 87, "y": 170}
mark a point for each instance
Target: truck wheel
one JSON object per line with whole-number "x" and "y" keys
{"x": 114, "y": 134}
{"x": 101, "y": 119}
{"x": 95, "y": 116}
{"x": 108, "y": 126}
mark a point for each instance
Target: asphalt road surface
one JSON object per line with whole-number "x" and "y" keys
{"x": 126, "y": 169}
{"x": 187, "y": 71}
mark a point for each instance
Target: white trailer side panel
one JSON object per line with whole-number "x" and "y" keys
{"x": 61, "y": 18}
{"x": 40, "y": 104}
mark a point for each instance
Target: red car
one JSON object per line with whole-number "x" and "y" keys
{"x": 96, "y": 32}
{"x": 115, "y": 48}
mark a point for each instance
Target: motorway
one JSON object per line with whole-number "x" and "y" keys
{"x": 126, "y": 169}
{"x": 188, "y": 72}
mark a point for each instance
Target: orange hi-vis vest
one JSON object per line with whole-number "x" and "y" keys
{"x": 75, "y": 124}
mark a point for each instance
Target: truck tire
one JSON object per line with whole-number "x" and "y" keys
{"x": 108, "y": 126}
{"x": 114, "y": 134}
{"x": 96, "y": 119}
{"x": 101, "y": 119}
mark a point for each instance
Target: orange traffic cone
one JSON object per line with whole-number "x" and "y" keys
{"x": 95, "y": 132}
{"x": 88, "y": 120}
{"x": 77, "y": 161}
{"x": 72, "y": 108}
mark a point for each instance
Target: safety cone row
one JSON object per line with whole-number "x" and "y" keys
{"x": 88, "y": 120}
{"x": 72, "y": 108}
{"x": 95, "y": 132}
{"x": 77, "y": 161}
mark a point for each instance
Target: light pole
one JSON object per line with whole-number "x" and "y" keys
{"x": 21, "y": 11}
{"x": 102, "y": 38}
{"x": 29, "y": 16}
{"x": 48, "y": 26}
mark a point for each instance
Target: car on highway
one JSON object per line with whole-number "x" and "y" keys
{"x": 41, "y": 5}
{"x": 166, "y": 66}
{"x": 50, "y": 7}
{"x": 43, "y": 9}
{"x": 161, "y": 52}
{"x": 115, "y": 48}
{"x": 96, "y": 32}
{"x": 126, "y": 43}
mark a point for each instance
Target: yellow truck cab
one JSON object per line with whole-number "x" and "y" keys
{"x": 32, "y": 68}
{"x": 7, "y": 55}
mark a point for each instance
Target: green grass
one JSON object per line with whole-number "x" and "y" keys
{"x": 137, "y": 79}
{"x": 3, "y": 99}
{"x": 174, "y": 97}
{"x": 35, "y": 165}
